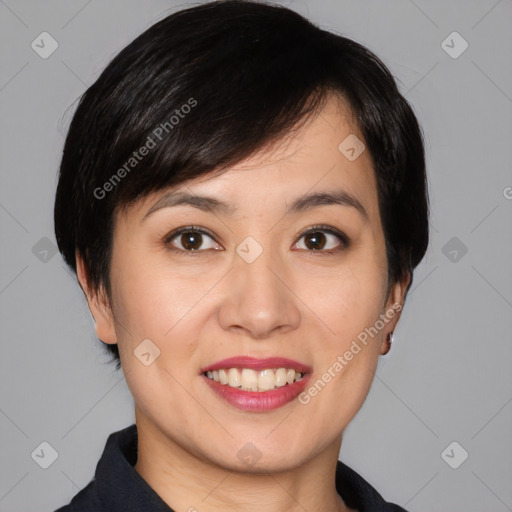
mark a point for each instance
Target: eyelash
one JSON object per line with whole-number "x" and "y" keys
{"x": 345, "y": 241}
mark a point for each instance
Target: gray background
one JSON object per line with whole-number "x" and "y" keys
{"x": 448, "y": 375}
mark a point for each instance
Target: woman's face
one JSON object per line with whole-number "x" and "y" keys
{"x": 255, "y": 279}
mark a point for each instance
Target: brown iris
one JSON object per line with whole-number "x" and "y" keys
{"x": 316, "y": 239}
{"x": 191, "y": 240}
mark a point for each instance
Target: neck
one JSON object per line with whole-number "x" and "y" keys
{"x": 186, "y": 482}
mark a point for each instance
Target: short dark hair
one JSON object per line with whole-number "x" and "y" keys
{"x": 207, "y": 87}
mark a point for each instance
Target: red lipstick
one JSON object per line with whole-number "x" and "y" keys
{"x": 258, "y": 401}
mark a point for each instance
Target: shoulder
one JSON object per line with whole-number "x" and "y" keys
{"x": 113, "y": 471}
{"x": 357, "y": 493}
{"x": 85, "y": 501}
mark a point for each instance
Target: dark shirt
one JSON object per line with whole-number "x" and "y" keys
{"x": 117, "y": 487}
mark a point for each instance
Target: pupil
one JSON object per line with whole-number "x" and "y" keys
{"x": 318, "y": 239}
{"x": 196, "y": 240}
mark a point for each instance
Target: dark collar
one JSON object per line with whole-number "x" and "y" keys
{"x": 117, "y": 487}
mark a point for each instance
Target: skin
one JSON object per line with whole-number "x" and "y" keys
{"x": 291, "y": 302}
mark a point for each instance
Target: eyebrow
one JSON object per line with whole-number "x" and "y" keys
{"x": 300, "y": 204}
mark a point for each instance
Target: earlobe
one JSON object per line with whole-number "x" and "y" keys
{"x": 394, "y": 307}
{"x": 386, "y": 345}
{"x": 98, "y": 305}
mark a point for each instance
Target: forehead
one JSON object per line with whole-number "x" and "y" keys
{"x": 326, "y": 153}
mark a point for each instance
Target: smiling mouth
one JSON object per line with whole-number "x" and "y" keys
{"x": 247, "y": 379}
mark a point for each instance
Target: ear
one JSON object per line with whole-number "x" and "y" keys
{"x": 98, "y": 304}
{"x": 393, "y": 308}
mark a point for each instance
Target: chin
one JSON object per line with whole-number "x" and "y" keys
{"x": 257, "y": 464}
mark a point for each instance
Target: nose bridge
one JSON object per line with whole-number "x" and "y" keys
{"x": 258, "y": 299}
{"x": 253, "y": 268}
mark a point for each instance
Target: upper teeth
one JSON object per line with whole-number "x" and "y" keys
{"x": 250, "y": 380}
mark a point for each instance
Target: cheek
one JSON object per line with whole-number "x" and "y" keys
{"x": 151, "y": 298}
{"x": 348, "y": 299}
{"x": 154, "y": 303}
{"x": 151, "y": 303}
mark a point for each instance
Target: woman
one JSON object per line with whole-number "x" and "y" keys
{"x": 243, "y": 198}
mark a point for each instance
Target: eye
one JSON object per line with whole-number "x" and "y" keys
{"x": 324, "y": 239}
{"x": 190, "y": 239}
{"x": 320, "y": 238}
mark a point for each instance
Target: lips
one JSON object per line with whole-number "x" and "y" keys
{"x": 267, "y": 393}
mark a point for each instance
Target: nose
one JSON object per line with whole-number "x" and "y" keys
{"x": 259, "y": 300}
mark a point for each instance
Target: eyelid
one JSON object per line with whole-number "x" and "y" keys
{"x": 186, "y": 229}
{"x": 344, "y": 239}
